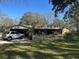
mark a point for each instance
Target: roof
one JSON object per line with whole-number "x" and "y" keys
{"x": 37, "y": 27}
{"x": 20, "y": 26}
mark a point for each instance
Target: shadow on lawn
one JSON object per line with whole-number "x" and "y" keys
{"x": 14, "y": 55}
{"x": 39, "y": 55}
{"x": 70, "y": 49}
{"x": 10, "y": 54}
{"x": 53, "y": 46}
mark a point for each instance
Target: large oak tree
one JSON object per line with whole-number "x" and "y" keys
{"x": 34, "y": 19}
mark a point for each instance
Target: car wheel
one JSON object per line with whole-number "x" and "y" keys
{"x": 9, "y": 38}
{"x": 4, "y": 39}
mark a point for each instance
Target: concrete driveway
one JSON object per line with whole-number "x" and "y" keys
{"x": 16, "y": 41}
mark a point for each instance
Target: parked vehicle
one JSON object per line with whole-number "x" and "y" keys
{"x": 12, "y": 35}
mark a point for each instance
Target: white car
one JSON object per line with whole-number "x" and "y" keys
{"x": 12, "y": 35}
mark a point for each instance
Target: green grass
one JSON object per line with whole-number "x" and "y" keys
{"x": 41, "y": 49}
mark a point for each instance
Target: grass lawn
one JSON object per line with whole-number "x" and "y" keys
{"x": 41, "y": 49}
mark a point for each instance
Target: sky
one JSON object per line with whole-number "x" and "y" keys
{"x": 16, "y": 10}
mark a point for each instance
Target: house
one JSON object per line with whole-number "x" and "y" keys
{"x": 38, "y": 30}
{"x": 47, "y": 30}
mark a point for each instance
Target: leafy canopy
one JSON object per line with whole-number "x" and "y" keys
{"x": 60, "y": 5}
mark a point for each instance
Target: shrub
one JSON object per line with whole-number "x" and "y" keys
{"x": 71, "y": 36}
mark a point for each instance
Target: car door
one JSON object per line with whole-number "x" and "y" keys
{"x": 12, "y": 34}
{"x": 17, "y": 35}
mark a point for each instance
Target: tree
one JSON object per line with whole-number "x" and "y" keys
{"x": 34, "y": 19}
{"x": 60, "y": 24}
{"x": 60, "y": 5}
{"x": 71, "y": 15}
{"x": 5, "y": 20}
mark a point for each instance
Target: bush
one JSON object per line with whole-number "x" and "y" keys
{"x": 71, "y": 36}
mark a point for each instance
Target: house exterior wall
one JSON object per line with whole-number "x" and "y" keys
{"x": 65, "y": 30}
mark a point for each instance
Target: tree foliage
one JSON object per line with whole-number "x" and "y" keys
{"x": 34, "y": 19}
{"x": 5, "y": 20}
{"x": 60, "y": 24}
{"x": 60, "y": 5}
{"x": 73, "y": 15}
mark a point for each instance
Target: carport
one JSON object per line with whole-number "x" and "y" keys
{"x": 24, "y": 29}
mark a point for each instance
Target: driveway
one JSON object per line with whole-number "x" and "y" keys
{"x": 16, "y": 41}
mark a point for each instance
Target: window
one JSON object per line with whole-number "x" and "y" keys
{"x": 12, "y": 32}
{"x": 17, "y": 32}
